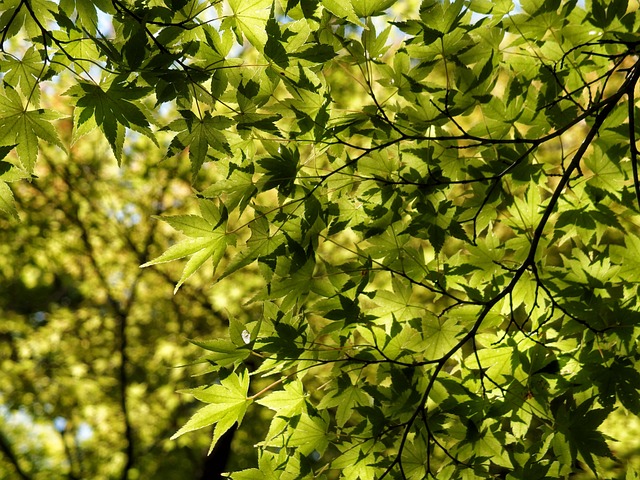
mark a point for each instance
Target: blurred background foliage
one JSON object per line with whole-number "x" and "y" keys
{"x": 90, "y": 344}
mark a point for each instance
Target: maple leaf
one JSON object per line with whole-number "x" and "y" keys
{"x": 8, "y": 173}
{"x": 199, "y": 134}
{"x": 227, "y": 401}
{"x": 112, "y": 107}
{"x": 23, "y": 128}
{"x": 207, "y": 240}
{"x": 251, "y": 17}
{"x": 24, "y": 73}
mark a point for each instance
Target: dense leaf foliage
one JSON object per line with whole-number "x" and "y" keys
{"x": 443, "y": 203}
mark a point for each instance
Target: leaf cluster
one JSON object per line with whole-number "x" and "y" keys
{"x": 443, "y": 208}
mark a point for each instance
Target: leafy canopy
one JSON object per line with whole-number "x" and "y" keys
{"x": 442, "y": 201}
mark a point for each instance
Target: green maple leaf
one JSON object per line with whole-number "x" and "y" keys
{"x": 281, "y": 171}
{"x": 526, "y": 211}
{"x": 357, "y": 460}
{"x": 224, "y": 352}
{"x": 414, "y": 458}
{"x": 237, "y": 190}
{"x": 24, "y": 73}
{"x": 79, "y": 48}
{"x": 368, "y": 8}
{"x": 287, "y": 402}
{"x": 198, "y": 134}
{"x": 396, "y": 303}
{"x": 251, "y": 17}
{"x": 200, "y": 250}
{"x": 7, "y": 203}
{"x": 440, "y": 335}
{"x": 344, "y": 9}
{"x": 227, "y": 401}
{"x": 206, "y": 240}
{"x": 261, "y": 243}
{"x": 310, "y": 433}
{"x": 112, "y": 107}
{"x": 579, "y": 426}
{"x": 87, "y": 13}
{"x": 8, "y": 173}
{"x": 23, "y": 128}
{"x": 346, "y": 398}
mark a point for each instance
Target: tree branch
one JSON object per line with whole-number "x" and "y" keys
{"x": 5, "y": 447}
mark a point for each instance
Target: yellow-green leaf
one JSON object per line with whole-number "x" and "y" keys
{"x": 227, "y": 401}
{"x": 251, "y": 17}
